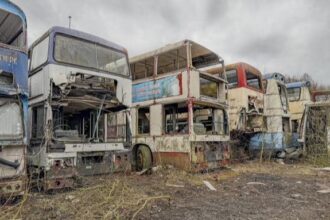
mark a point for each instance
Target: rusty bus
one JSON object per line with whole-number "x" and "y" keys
{"x": 299, "y": 95}
{"x": 179, "y": 112}
{"x": 277, "y": 138}
{"x": 76, "y": 80}
{"x": 13, "y": 100}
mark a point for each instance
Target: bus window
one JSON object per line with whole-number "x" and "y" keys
{"x": 172, "y": 61}
{"x": 86, "y": 54}
{"x": 232, "y": 78}
{"x": 11, "y": 30}
{"x": 294, "y": 94}
{"x": 208, "y": 88}
{"x": 176, "y": 118}
{"x": 144, "y": 120}
{"x": 39, "y": 54}
{"x": 143, "y": 69}
{"x": 253, "y": 80}
{"x": 208, "y": 120}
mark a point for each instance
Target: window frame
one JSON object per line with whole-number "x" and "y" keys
{"x": 31, "y": 55}
{"x": 24, "y": 32}
{"x": 296, "y": 99}
{"x": 246, "y": 72}
{"x": 86, "y": 67}
{"x": 137, "y": 120}
{"x": 211, "y": 81}
{"x": 174, "y": 132}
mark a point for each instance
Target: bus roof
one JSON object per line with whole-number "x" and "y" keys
{"x": 80, "y": 35}
{"x": 12, "y": 8}
{"x": 298, "y": 84}
{"x": 197, "y": 50}
{"x": 232, "y": 66}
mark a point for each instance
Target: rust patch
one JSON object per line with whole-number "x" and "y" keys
{"x": 58, "y": 183}
{"x": 180, "y": 160}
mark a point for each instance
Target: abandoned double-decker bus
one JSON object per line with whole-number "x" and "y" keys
{"x": 13, "y": 100}
{"x": 76, "y": 80}
{"x": 245, "y": 96}
{"x": 179, "y": 113}
{"x": 277, "y": 138}
{"x": 299, "y": 95}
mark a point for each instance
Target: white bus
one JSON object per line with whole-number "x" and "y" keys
{"x": 179, "y": 112}
{"x": 76, "y": 80}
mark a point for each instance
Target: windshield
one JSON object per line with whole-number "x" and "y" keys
{"x": 12, "y": 30}
{"x": 209, "y": 120}
{"x": 86, "y": 54}
{"x": 294, "y": 94}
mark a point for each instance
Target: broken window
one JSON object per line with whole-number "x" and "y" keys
{"x": 209, "y": 88}
{"x": 294, "y": 94}
{"x": 116, "y": 125}
{"x": 12, "y": 30}
{"x": 87, "y": 54}
{"x": 253, "y": 80}
{"x": 6, "y": 79}
{"x": 78, "y": 125}
{"x": 38, "y": 121}
{"x": 143, "y": 69}
{"x": 176, "y": 118}
{"x": 172, "y": 61}
{"x": 39, "y": 54}
{"x": 144, "y": 120}
{"x": 232, "y": 78}
{"x": 208, "y": 120}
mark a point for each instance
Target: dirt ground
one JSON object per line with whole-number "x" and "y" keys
{"x": 244, "y": 191}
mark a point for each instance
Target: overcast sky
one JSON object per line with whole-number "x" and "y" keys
{"x": 287, "y": 36}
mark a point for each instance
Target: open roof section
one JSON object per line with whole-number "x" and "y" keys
{"x": 80, "y": 35}
{"x": 200, "y": 54}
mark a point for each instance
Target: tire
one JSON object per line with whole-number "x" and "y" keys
{"x": 143, "y": 158}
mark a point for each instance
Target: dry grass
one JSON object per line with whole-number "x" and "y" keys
{"x": 111, "y": 199}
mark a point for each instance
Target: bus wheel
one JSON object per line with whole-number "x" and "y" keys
{"x": 143, "y": 158}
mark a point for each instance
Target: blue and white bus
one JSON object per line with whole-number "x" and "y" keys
{"x": 13, "y": 99}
